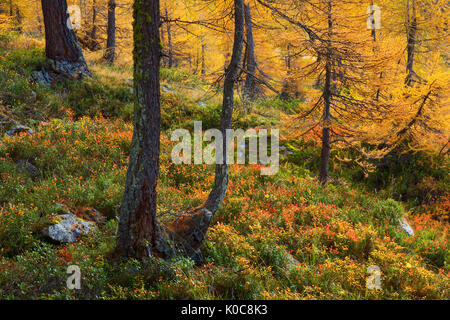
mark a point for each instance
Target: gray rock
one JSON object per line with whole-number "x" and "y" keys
{"x": 69, "y": 228}
{"x": 19, "y": 129}
{"x": 404, "y": 225}
{"x": 25, "y": 166}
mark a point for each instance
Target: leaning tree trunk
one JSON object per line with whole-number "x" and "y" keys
{"x": 249, "y": 91}
{"x": 111, "y": 33}
{"x": 189, "y": 231}
{"x": 139, "y": 234}
{"x": 221, "y": 176}
{"x": 61, "y": 45}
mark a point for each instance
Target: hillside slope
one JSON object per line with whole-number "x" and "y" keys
{"x": 275, "y": 237}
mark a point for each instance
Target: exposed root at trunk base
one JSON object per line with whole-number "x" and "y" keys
{"x": 59, "y": 71}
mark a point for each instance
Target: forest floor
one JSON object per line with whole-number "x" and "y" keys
{"x": 81, "y": 137}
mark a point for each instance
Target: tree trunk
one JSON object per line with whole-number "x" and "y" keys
{"x": 189, "y": 231}
{"x": 374, "y": 37}
{"x": 221, "y": 176}
{"x": 61, "y": 45}
{"x": 169, "y": 40}
{"x": 249, "y": 91}
{"x": 93, "y": 34}
{"x": 163, "y": 60}
{"x": 287, "y": 86}
{"x": 411, "y": 43}
{"x": 38, "y": 16}
{"x": 327, "y": 94}
{"x": 111, "y": 33}
{"x": 326, "y": 147}
{"x": 203, "y": 72}
{"x": 139, "y": 234}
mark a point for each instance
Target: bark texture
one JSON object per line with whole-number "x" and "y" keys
{"x": 111, "y": 33}
{"x": 61, "y": 45}
{"x": 139, "y": 234}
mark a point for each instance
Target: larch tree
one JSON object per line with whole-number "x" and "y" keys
{"x": 61, "y": 44}
{"x": 140, "y": 235}
{"x": 189, "y": 230}
{"x": 333, "y": 36}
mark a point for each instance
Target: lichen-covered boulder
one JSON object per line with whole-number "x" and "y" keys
{"x": 68, "y": 228}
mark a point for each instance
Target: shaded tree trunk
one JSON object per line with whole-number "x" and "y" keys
{"x": 287, "y": 86}
{"x": 111, "y": 33}
{"x": 139, "y": 234}
{"x": 169, "y": 41}
{"x": 327, "y": 95}
{"x": 93, "y": 33}
{"x": 411, "y": 43}
{"x": 203, "y": 72}
{"x": 249, "y": 91}
{"x": 61, "y": 45}
{"x": 326, "y": 144}
{"x": 38, "y": 16}
{"x": 163, "y": 60}
{"x": 374, "y": 37}
{"x": 18, "y": 19}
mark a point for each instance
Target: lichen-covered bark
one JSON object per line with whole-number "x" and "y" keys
{"x": 61, "y": 45}
{"x": 139, "y": 234}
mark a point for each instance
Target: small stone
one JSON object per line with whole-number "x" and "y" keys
{"x": 406, "y": 227}
{"x": 19, "y": 129}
